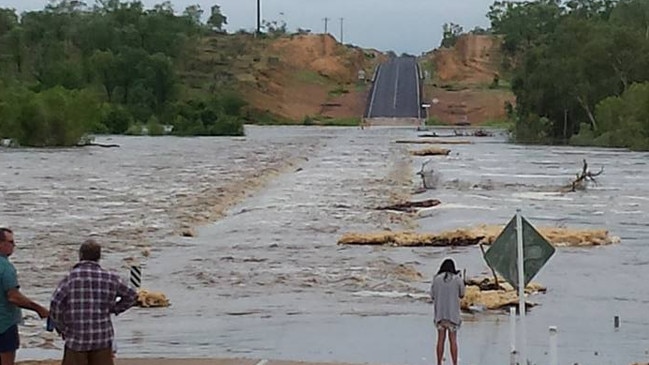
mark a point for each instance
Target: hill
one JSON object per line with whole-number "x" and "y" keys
{"x": 291, "y": 77}
{"x": 466, "y": 81}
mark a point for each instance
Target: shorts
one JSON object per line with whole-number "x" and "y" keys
{"x": 447, "y": 325}
{"x": 95, "y": 357}
{"x": 9, "y": 339}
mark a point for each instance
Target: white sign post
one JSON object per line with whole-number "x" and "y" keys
{"x": 521, "y": 285}
{"x": 518, "y": 254}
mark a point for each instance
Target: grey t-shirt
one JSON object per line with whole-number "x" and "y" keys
{"x": 446, "y": 293}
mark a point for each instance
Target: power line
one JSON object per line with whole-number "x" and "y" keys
{"x": 326, "y": 21}
{"x": 258, "y": 17}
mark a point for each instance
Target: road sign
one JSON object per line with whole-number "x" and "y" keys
{"x": 502, "y": 255}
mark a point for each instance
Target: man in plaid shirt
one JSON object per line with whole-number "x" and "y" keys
{"x": 82, "y": 305}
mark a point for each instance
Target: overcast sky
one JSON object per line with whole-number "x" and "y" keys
{"x": 411, "y": 26}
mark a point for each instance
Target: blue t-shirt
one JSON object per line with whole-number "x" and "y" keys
{"x": 9, "y": 313}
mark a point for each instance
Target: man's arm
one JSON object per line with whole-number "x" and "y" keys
{"x": 17, "y": 298}
{"x": 128, "y": 297}
{"x": 58, "y": 307}
{"x": 10, "y": 286}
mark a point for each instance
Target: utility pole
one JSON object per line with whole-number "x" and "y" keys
{"x": 258, "y": 17}
{"x": 341, "y": 31}
{"x": 326, "y": 20}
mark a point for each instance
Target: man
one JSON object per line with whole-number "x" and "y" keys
{"x": 11, "y": 300}
{"x": 446, "y": 292}
{"x": 81, "y": 308}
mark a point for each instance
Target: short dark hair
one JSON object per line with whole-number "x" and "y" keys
{"x": 90, "y": 251}
{"x": 3, "y": 233}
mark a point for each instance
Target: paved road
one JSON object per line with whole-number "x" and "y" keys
{"x": 396, "y": 90}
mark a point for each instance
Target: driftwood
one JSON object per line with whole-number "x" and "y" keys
{"x": 583, "y": 178}
{"x": 493, "y": 272}
{"x": 432, "y": 141}
{"x": 411, "y": 207}
{"x": 427, "y": 178}
{"x": 93, "y": 144}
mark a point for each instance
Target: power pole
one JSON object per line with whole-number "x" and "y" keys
{"x": 258, "y": 17}
{"x": 341, "y": 31}
{"x": 326, "y": 20}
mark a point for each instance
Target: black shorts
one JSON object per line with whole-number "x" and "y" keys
{"x": 9, "y": 339}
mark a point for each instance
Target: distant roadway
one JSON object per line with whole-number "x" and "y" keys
{"x": 396, "y": 90}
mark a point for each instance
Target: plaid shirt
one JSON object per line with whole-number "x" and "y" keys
{"x": 83, "y": 302}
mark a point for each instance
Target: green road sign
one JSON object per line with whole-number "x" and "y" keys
{"x": 501, "y": 256}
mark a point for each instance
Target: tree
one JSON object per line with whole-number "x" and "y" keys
{"x": 217, "y": 19}
{"x": 450, "y": 33}
{"x": 105, "y": 66}
{"x": 194, "y": 14}
{"x": 8, "y": 20}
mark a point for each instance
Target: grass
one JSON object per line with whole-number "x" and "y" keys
{"x": 311, "y": 77}
{"x": 342, "y": 122}
{"x": 453, "y": 87}
{"x": 501, "y": 124}
{"x": 332, "y": 122}
{"x": 435, "y": 121}
{"x": 338, "y": 90}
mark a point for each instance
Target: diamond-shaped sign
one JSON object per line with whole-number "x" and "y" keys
{"x": 502, "y": 256}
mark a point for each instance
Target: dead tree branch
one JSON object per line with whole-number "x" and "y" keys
{"x": 427, "y": 177}
{"x": 584, "y": 177}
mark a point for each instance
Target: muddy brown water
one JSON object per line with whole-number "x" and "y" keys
{"x": 266, "y": 278}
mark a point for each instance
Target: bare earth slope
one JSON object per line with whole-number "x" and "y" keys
{"x": 461, "y": 81}
{"x": 313, "y": 75}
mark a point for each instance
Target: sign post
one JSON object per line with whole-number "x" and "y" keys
{"x": 136, "y": 276}
{"x": 521, "y": 283}
{"x": 518, "y": 254}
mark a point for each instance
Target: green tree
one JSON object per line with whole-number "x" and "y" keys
{"x": 194, "y": 14}
{"x": 217, "y": 19}
{"x": 104, "y": 64}
{"x": 450, "y": 33}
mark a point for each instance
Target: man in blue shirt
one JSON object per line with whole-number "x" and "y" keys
{"x": 11, "y": 300}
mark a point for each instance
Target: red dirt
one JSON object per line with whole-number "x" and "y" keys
{"x": 281, "y": 90}
{"x": 461, "y": 81}
{"x": 309, "y": 68}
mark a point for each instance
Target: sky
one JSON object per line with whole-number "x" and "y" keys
{"x": 402, "y": 26}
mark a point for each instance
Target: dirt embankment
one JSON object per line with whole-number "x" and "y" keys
{"x": 311, "y": 75}
{"x": 463, "y": 84}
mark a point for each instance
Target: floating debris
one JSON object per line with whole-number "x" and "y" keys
{"x": 483, "y": 293}
{"x": 484, "y": 234}
{"x": 431, "y": 151}
{"x": 433, "y": 141}
{"x": 412, "y": 207}
{"x": 151, "y": 299}
{"x": 406, "y": 239}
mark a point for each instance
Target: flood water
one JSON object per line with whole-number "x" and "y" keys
{"x": 266, "y": 279}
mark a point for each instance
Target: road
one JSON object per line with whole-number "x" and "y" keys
{"x": 395, "y": 93}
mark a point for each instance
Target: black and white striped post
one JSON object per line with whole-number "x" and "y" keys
{"x": 136, "y": 276}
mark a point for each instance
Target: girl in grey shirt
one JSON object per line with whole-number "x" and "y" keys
{"x": 446, "y": 291}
